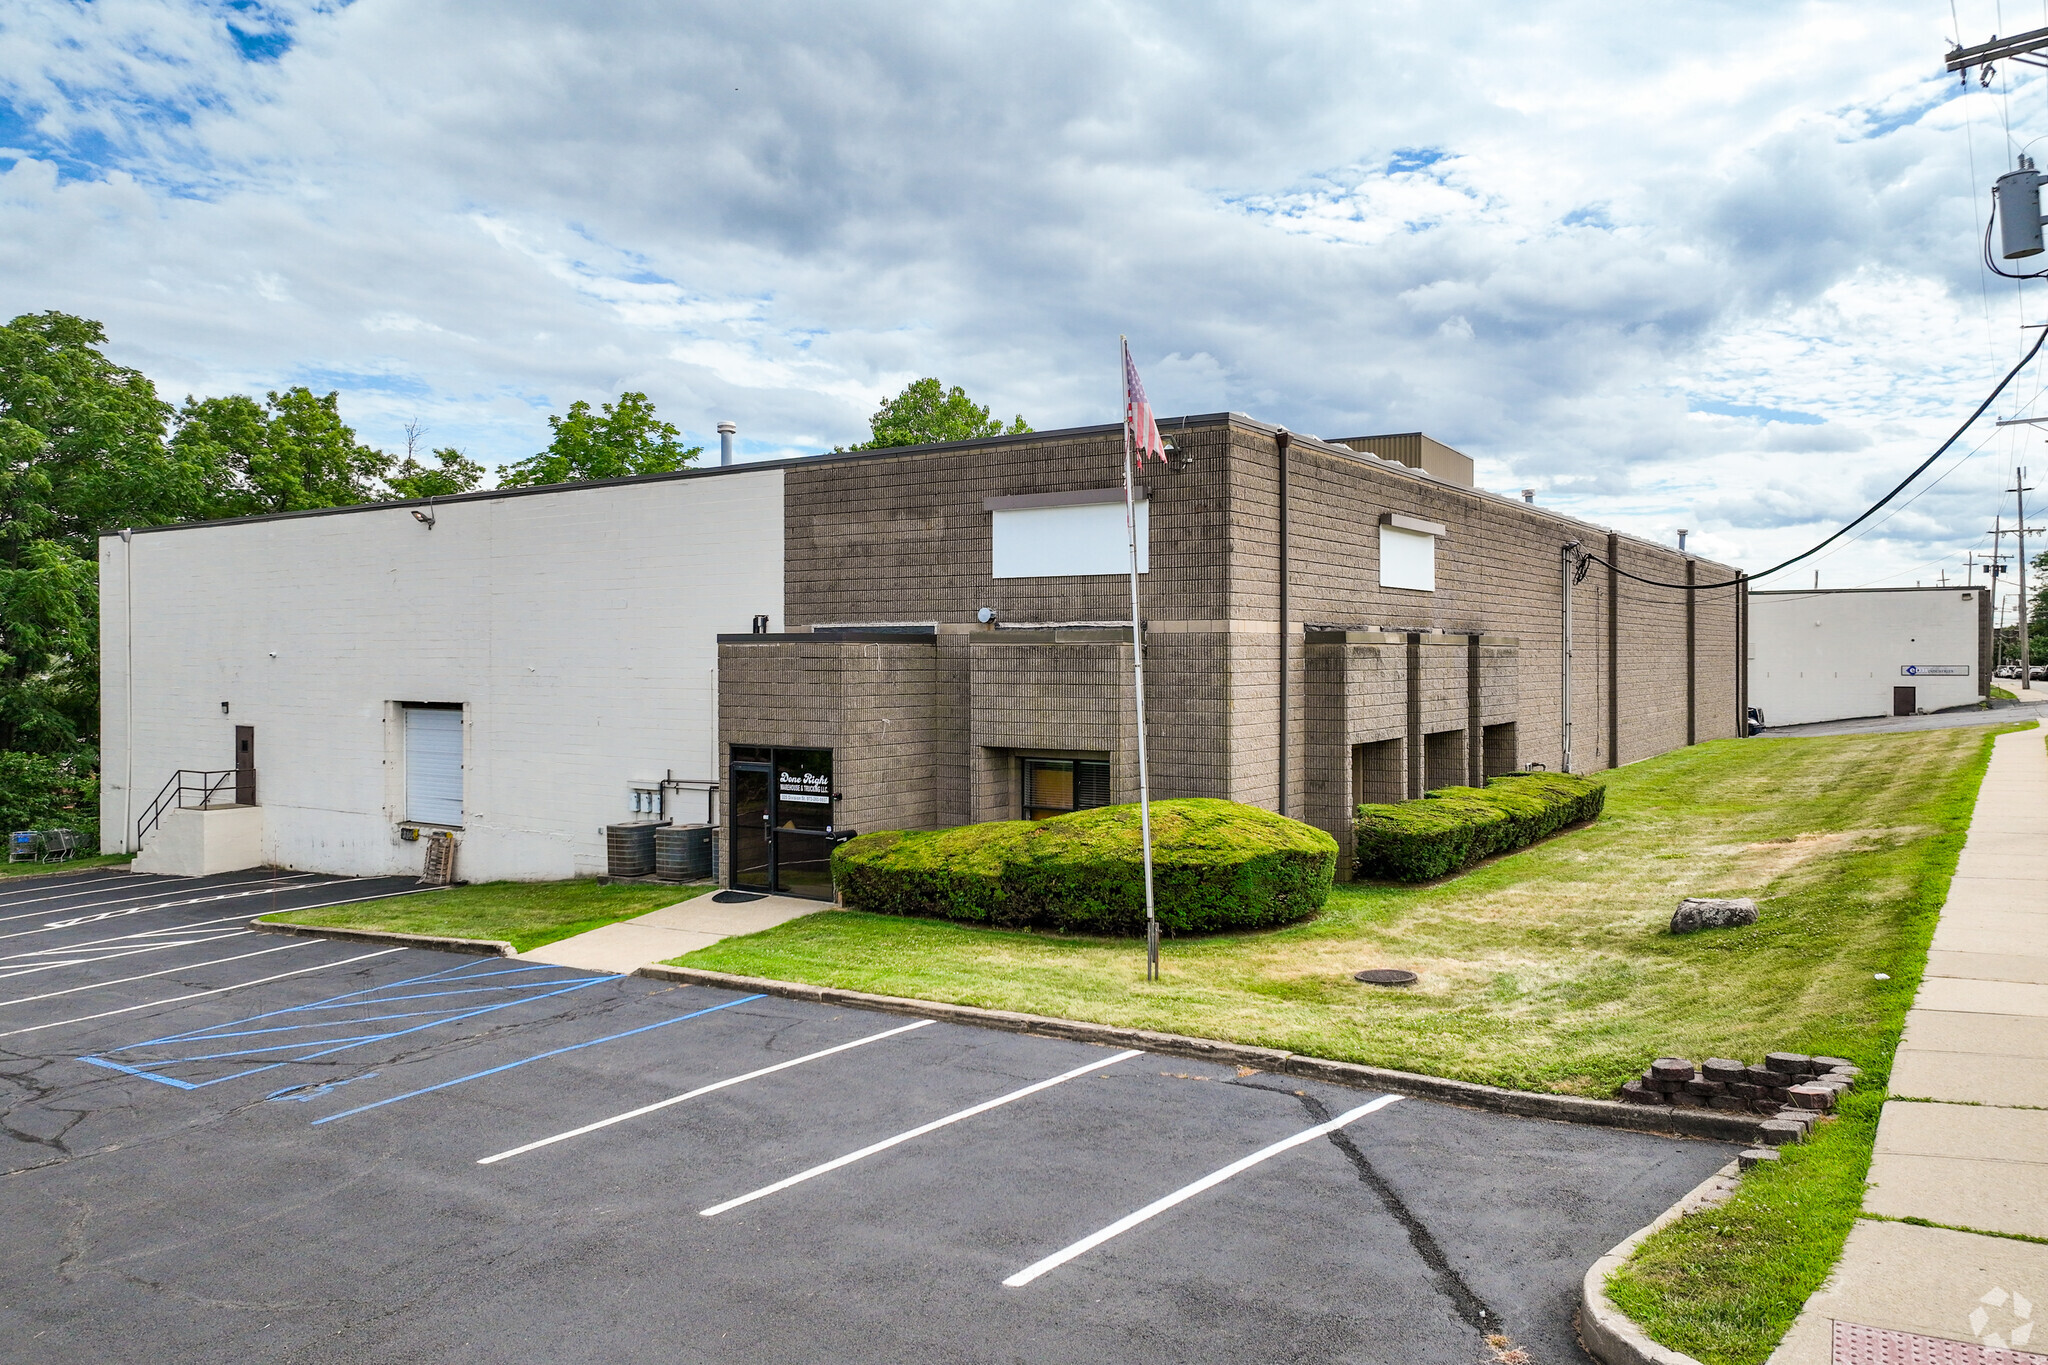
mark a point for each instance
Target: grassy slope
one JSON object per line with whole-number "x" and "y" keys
{"x": 524, "y": 914}
{"x": 1724, "y": 1285}
{"x": 58, "y": 869}
{"x": 1546, "y": 969}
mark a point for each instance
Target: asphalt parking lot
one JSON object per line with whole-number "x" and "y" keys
{"x": 230, "y": 1145}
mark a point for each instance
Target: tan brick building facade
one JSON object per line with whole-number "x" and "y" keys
{"x": 1364, "y": 692}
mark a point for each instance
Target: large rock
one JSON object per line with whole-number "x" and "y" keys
{"x": 1695, "y": 912}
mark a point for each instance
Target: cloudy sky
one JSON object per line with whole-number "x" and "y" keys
{"x": 1703, "y": 265}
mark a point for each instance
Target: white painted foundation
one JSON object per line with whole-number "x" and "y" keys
{"x": 199, "y": 843}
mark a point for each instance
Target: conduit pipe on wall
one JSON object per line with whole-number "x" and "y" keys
{"x": 128, "y": 686}
{"x": 1569, "y": 557}
{"x": 1282, "y": 439}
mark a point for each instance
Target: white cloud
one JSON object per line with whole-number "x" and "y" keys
{"x": 1626, "y": 263}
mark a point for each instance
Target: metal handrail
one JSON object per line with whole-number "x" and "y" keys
{"x": 187, "y": 782}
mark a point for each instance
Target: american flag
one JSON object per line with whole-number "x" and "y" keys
{"x": 1138, "y": 420}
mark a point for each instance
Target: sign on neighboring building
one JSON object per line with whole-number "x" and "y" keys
{"x": 1833, "y": 654}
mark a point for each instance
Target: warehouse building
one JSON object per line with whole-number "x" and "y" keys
{"x": 1844, "y": 653}
{"x": 902, "y": 638}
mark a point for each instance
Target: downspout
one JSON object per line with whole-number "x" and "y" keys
{"x": 1569, "y": 556}
{"x": 128, "y": 689}
{"x": 1742, "y": 654}
{"x": 1692, "y": 654}
{"x": 1613, "y": 650}
{"x": 1282, "y": 439}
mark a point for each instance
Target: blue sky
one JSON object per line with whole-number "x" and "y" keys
{"x": 1712, "y": 266}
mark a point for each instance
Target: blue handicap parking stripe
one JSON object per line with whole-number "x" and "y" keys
{"x": 296, "y": 1037}
{"x": 536, "y": 1057}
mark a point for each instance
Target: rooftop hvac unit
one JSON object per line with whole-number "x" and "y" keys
{"x": 682, "y": 853}
{"x": 629, "y": 849}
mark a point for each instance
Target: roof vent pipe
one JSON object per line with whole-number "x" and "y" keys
{"x": 726, "y": 431}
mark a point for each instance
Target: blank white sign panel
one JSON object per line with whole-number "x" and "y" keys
{"x": 1407, "y": 559}
{"x": 433, "y": 765}
{"x": 1068, "y": 542}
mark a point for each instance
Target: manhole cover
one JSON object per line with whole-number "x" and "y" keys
{"x": 1386, "y": 976}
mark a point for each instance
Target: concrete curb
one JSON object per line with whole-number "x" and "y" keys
{"x": 481, "y": 947}
{"x": 1608, "y": 1334}
{"x": 1694, "y": 1123}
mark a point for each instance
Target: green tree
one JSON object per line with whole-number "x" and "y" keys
{"x": 81, "y": 449}
{"x": 454, "y": 473}
{"x": 620, "y": 439}
{"x": 2037, "y": 613}
{"x": 290, "y": 453}
{"x": 927, "y": 412}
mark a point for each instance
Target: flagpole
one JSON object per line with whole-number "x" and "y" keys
{"x": 1138, "y": 669}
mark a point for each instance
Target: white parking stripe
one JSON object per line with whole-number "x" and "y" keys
{"x": 91, "y": 954}
{"x": 145, "y": 936}
{"x": 700, "y": 1090}
{"x": 187, "y": 967}
{"x": 1185, "y": 1192}
{"x": 219, "y": 990}
{"x": 143, "y": 893}
{"x": 13, "y": 895}
{"x": 123, "y": 911}
{"x": 886, "y": 1143}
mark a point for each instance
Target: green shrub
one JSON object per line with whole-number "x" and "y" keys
{"x": 1454, "y": 827}
{"x": 1215, "y": 865}
{"x": 41, "y": 792}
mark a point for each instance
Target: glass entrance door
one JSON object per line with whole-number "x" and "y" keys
{"x": 803, "y": 822}
{"x": 752, "y": 865}
{"x": 782, "y": 803}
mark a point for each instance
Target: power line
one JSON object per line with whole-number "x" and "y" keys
{"x": 1872, "y": 510}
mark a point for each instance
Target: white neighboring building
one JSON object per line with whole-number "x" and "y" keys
{"x": 1836, "y": 654}
{"x": 514, "y": 667}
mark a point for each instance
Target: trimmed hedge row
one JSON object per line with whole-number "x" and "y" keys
{"x": 1215, "y": 865}
{"x": 1454, "y": 827}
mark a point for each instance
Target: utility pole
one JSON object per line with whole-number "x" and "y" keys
{"x": 1996, "y": 567}
{"x": 2019, "y": 491}
{"x": 2016, "y": 49}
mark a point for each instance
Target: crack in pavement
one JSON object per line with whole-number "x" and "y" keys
{"x": 1468, "y": 1305}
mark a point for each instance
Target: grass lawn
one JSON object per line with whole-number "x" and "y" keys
{"x": 2000, "y": 694}
{"x": 524, "y": 914}
{"x": 1723, "y": 1285}
{"x": 74, "y": 865}
{"x": 1547, "y": 969}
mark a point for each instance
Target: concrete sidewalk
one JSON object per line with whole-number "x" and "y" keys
{"x": 1964, "y": 1140}
{"x": 662, "y": 934}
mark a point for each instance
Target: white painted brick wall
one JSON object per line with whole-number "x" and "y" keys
{"x": 1824, "y": 655}
{"x": 578, "y": 629}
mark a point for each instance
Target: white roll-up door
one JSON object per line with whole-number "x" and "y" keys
{"x": 433, "y": 765}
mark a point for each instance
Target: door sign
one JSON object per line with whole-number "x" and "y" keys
{"x": 811, "y": 789}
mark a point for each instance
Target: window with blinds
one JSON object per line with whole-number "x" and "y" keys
{"x": 433, "y": 765}
{"x": 1056, "y": 786}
